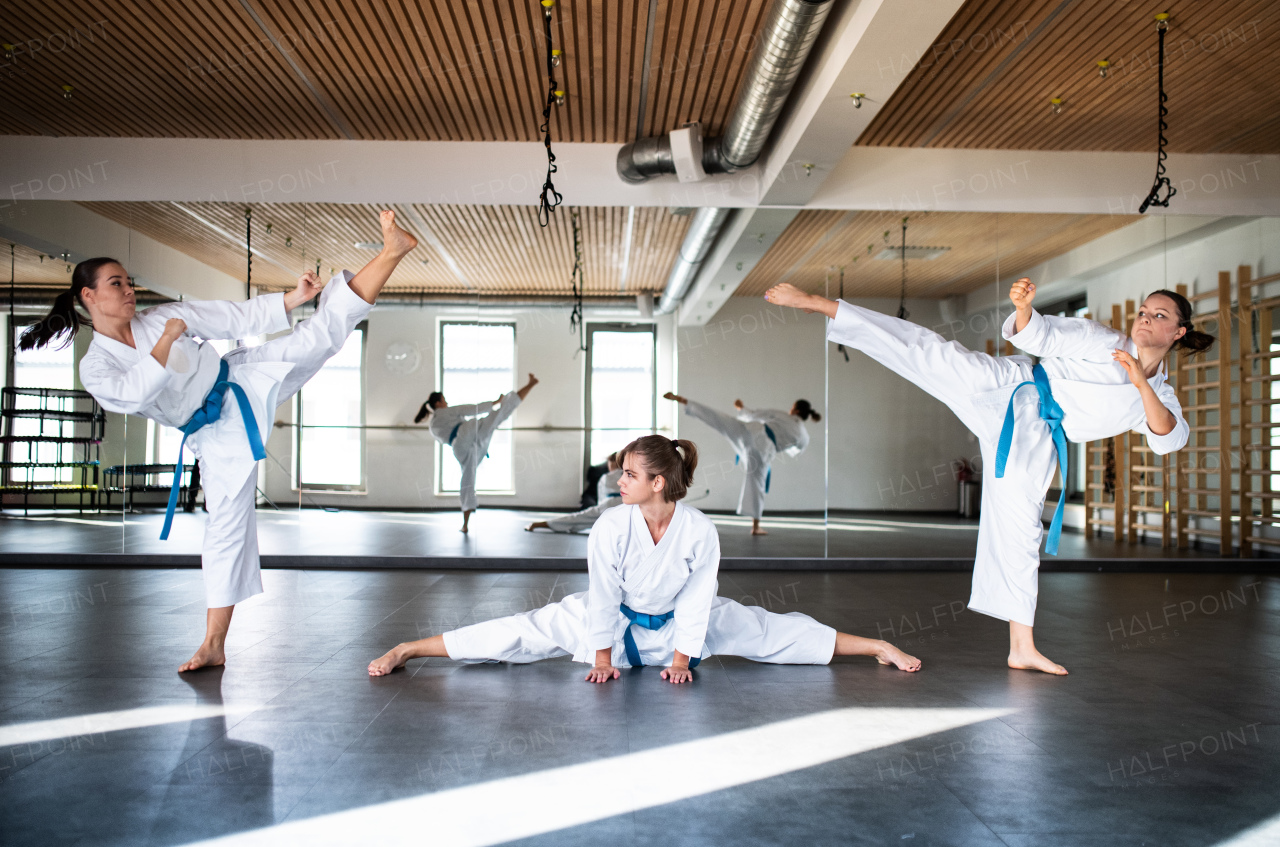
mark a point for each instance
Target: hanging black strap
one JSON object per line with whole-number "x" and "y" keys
{"x": 576, "y": 321}
{"x": 550, "y": 198}
{"x": 902, "y": 298}
{"x": 1162, "y": 181}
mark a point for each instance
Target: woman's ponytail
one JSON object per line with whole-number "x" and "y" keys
{"x": 63, "y": 319}
{"x": 433, "y": 400}
{"x": 688, "y": 452}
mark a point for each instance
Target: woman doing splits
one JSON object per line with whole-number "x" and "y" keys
{"x": 468, "y": 430}
{"x": 1092, "y": 382}
{"x": 155, "y": 363}
{"x": 649, "y": 561}
{"x": 757, "y": 435}
{"x": 608, "y": 495}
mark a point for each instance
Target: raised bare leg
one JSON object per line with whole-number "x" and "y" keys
{"x": 671, "y": 395}
{"x": 528, "y": 386}
{"x": 401, "y": 653}
{"x": 755, "y": 527}
{"x": 884, "y": 652}
{"x": 537, "y": 525}
{"x": 396, "y": 244}
{"x": 786, "y": 294}
{"x": 466, "y": 519}
{"x": 210, "y": 654}
{"x": 1023, "y": 654}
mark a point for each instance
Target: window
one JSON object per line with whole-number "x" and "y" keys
{"x": 478, "y": 365}
{"x": 43, "y": 368}
{"x": 330, "y": 415}
{"x": 620, "y": 388}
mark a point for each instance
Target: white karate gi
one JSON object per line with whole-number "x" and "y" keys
{"x": 608, "y": 495}
{"x": 746, "y": 432}
{"x": 679, "y": 574}
{"x": 1097, "y": 400}
{"x": 471, "y": 428}
{"x": 129, "y": 380}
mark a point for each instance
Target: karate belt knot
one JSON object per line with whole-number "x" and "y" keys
{"x": 768, "y": 474}
{"x": 652, "y": 622}
{"x": 454, "y": 434}
{"x": 1051, "y": 413}
{"x": 211, "y": 410}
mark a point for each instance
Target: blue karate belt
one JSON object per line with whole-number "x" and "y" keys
{"x": 654, "y": 622}
{"x": 613, "y": 494}
{"x": 454, "y": 434}
{"x": 768, "y": 474}
{"x": 1051, "y": 414}
{"x": 210, "y": 411}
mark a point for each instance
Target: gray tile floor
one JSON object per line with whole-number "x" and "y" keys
{"x": 1167, "y": 731}
{"x": 370, "y": 535}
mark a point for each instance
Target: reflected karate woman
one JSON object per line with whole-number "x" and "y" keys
{"x": 608, "y": 495}
{"x": 759, "y": 435}
{"x": 652, "y": 564}
{"x": 1092, "y": 382}
{"x": 468, "y": 431}
{"x": 156, "y": 364}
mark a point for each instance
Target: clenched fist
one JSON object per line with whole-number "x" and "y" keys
{"x": 174, "y": 328}
{"x": 1022, "y": 293}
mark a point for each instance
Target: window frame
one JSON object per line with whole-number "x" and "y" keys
{"x": 362, "y": 488}
{"x": 588, "y": 368}
{"x": 440, "y": 455}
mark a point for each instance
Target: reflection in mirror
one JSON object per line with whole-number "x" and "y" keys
{"x": 750, "y": 385}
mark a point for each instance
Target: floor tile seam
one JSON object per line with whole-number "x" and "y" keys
{"x": 940, "y": 780}
{"x": 304, "y": 795}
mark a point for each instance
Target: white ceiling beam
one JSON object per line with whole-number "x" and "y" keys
{"x": 742, "y": 244}
{"x": 511, "y": 173}
{"x": 868, "y": 47}
{"x": 949, "y": 180}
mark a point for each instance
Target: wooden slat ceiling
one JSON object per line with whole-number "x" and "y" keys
{"x": 988, "y": 80}
{"x": 31, "y": 267}
{"x": 368, "y": 69}
{"x": 497, "y": 250}
{"x": 817, "y": 243}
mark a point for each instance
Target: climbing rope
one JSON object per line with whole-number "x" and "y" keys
{"x": 550, "y": 198}
{"x": 1162, "y": 181}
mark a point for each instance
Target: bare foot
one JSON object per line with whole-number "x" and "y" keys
{"x": 890, "y": 655}
{"x": 464, "y": 529}
{"x": 755, "y": 530}
{"x": 537, "y": 525}
{"x": 533, "y": 380}
{"x": 786, "y": 294}
{"x": 393, "y": 659}
{"x": 394, "y": 239}
{"x": 208, "y": 656}
{"x": 671, "y": 395}
{"x": 1033, "y": 660}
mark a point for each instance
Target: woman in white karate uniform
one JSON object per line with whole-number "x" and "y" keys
{"x": 468, "y": 431}
{"x": 1092, "y": 382}
{"x": 156, "y": 364}
{"x": 608, "y": 495}
{"x": 651, "y": 599}
{"x": 758, "y": 435}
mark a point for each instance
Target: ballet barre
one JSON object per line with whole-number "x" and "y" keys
{"x": 421, "y": 428}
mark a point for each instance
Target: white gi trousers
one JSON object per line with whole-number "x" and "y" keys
{"x": 560, "y": 629}
{"x": 584, "y": 519}
{"x": 977, "y": 388}
{"x": 755, "y": 450}
{"x": 229, "y": 556}
{"x": 472, "y": 443}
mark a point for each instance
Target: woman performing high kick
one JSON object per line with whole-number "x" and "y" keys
{"x": 757, "y": 436}
{"x": 608, "y": 495}
{"x": 468, "y": 431}
{"x": 156, "y": 364}
{"x": 1092, "y": 382}
{"x": 651, "y": 596}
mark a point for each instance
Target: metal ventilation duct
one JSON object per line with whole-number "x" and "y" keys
{"x": 787, "y": 36}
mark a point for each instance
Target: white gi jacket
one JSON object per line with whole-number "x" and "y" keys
{"x": 788, "y": 429}
{"x": 129, "y": 380}
{"x": 1094, "y": 391}
{"x": 625, "y": 566}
